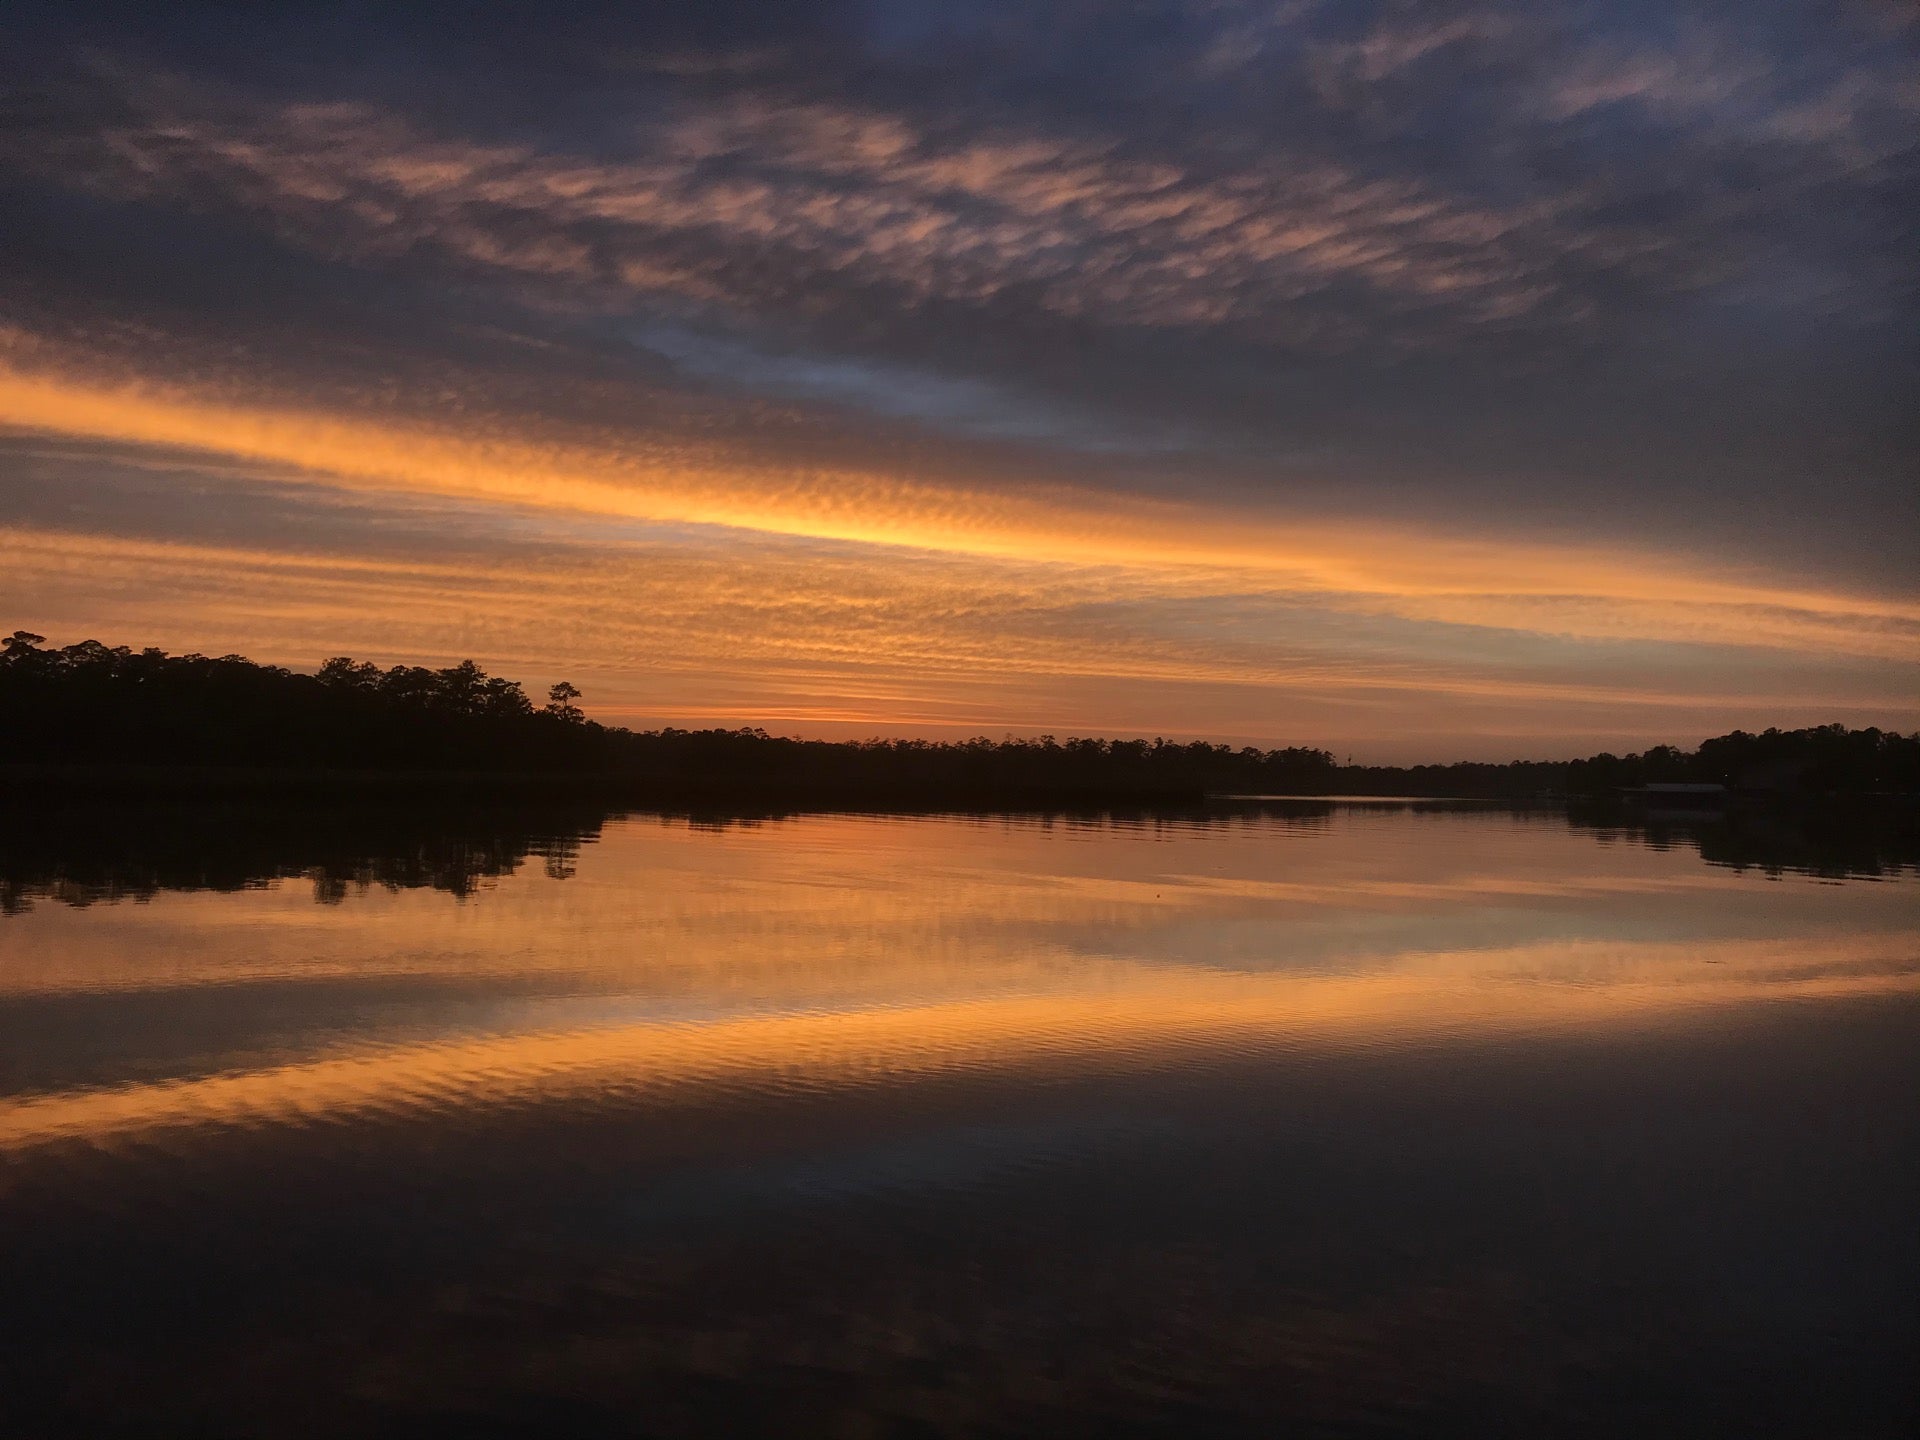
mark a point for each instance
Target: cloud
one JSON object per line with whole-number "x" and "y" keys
{"x": 1553, "y": 356}
{"x": 968, "y": 406}
{"x": 695, "y": 628}
{"x": 737, "y": 200}
{"x": 1416, "y": 572}
{"x": 1477, "y": 230}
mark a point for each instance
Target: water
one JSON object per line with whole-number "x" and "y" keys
{"x": 1286, "y": 1119}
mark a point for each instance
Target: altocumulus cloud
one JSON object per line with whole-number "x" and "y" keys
{"x": 1622, "y": 293}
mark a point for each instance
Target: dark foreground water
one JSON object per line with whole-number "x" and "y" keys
{"x": 1315, "y": 1120}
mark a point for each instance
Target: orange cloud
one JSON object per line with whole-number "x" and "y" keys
{"x": 1162, "y": 547}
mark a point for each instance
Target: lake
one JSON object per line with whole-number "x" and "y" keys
{"x": 1278, "y": 1118}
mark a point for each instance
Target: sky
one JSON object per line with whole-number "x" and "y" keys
{"x": 1423, "y": 382}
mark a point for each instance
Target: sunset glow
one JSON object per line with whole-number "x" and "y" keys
{"x": 865, "y": 717}
{"x": 818, "y": 488}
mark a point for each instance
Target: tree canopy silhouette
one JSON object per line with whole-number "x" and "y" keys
{"x": 93, "y": 705}
{"x": 111, "y": 704}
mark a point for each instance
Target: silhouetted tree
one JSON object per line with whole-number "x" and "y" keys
{"x": 20, "y": 646}
{"x": 92, "y": 704}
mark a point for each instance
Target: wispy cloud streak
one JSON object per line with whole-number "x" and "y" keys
{"x": 998, "y": 364}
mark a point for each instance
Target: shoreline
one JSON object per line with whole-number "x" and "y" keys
{"x": 32, "y": 783}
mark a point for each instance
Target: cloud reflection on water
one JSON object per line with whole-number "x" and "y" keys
{"x": 828, "y": 952}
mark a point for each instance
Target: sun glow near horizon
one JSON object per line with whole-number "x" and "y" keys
{"x": 924, "y": 582}
{"x": 790, "y": 399}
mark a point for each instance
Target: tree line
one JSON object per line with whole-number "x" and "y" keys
{"x": 1816, "y": 760}
{"x": 93, "y": 705}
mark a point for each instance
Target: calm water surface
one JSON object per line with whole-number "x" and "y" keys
{"x": 1324, "y": 1120}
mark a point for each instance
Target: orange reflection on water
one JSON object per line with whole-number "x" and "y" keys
{"x": 832, "y": 952}
{"x": 1142, "y": 1025}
